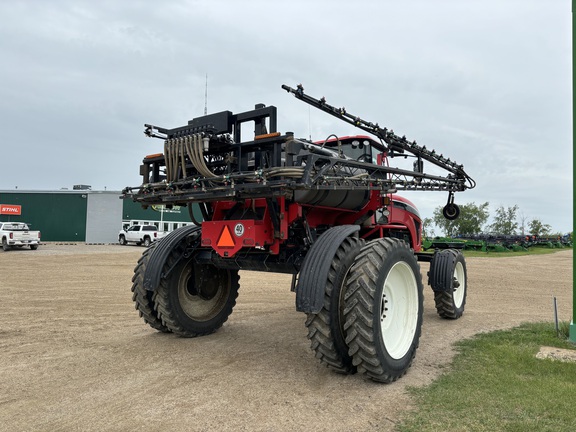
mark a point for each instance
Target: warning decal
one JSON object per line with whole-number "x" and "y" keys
{"x": 226, "y": 239}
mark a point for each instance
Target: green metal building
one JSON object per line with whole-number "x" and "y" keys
{"x": 84, "y": 215}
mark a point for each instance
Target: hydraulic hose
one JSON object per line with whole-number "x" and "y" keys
{"x": 175, "y": 152}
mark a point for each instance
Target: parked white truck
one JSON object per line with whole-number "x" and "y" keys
{"x": 140, "y": 234}
{"x": 18, "y": 234}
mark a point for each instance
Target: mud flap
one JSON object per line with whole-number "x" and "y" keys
{"x": 161, "y": 252}
{"x": 315, "y": 268}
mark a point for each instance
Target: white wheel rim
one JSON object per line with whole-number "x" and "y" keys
{"x": 459, "y": 285}
{"x": 399, "y": 310}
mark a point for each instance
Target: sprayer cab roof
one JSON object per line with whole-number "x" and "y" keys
{"x": 357, "y": 147}
{"x": 355, "y": 141}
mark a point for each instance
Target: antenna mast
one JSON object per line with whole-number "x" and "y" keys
{"x": 206, "y": 96}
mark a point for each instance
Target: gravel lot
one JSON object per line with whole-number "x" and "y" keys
{"x": 75, "y": 356}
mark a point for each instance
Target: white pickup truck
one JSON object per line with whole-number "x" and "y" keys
{"x": 17, "y": 234}
{"x": 140, "y": 234}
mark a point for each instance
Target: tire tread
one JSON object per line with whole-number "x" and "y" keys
{"x": 142, "y": 298}
{"x": 360, "y": 308}
{"x": 320, "y": 331}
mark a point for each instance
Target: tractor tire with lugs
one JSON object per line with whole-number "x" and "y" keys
{"x": 142, "y": 297}
{"x": 195, "y": 299}
{"x": 326, "y": 328}
{"x": 383, "y": 309}
{"x": 449, "y": 281}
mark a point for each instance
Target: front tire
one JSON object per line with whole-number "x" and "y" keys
{"x": 195, "y": 299}
{"x": 326, "y": 328}
{"x": 449, "y": 281}
{"x": 33, "y": 247}
{"x": 122, "y": 240}
{"x": 384, "y": 303}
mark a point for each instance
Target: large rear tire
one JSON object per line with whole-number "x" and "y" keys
{"x": 326, "y": 328}
{"x": 384, "y": 303}
{"x": 449, "y": 281}
{"x": 142, "y": 297}
{"x": 195, "y": 299}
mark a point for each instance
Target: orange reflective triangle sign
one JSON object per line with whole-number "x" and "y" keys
{"x": 226, "y": 239}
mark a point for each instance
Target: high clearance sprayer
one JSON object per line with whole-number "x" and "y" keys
{"x": 328, "y": 212}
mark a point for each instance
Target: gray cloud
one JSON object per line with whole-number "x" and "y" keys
{"x": 484, "y": 82}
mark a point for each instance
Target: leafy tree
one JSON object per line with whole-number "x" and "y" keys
{"x": 522, "y": 219}
{"x": 472, "y": 218}
{"x": 505, "y": 220}
{"x": 537, "y": 228}
{"x": 427, "y": 227}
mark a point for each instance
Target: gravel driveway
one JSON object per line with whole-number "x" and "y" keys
{"x": 75, "y": 356}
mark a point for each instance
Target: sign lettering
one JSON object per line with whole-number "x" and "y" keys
{"x": 10, "y": 209}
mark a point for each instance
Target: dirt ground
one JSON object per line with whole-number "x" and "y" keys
{"x": 75, "y": 356}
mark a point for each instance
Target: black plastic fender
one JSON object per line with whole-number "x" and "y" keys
{"x": 315, "y": 268}
{"x": 162, "y": 251}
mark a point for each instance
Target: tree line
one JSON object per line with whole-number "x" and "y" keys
{"x": 473, "y": 220}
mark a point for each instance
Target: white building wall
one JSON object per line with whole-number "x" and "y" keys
{"x": 103, "y": 217}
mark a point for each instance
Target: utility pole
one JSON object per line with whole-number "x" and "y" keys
{"x": 572, "y": 336}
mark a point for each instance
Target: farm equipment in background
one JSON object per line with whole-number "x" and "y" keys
{"x": 326, "y": 212}
{"x": 498, "y": 242}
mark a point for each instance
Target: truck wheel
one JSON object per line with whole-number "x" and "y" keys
{"x": 33, "y": 247}
{"x": 383, "y": 309}
{"x": 142, "y": 297}
{"x": 147, "y": 241}
{"x": 5, "y": 246}
{"x": 195, "y": 299}
{"x": 326, "y": 328}
{"x": 448, "y": 279}
{"x": 122, "y": 240}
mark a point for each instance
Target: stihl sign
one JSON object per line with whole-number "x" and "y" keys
{"x": 10, "y": 209}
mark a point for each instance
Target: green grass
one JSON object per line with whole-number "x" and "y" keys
{"x": 497, "y": 384}
{"x": 530, "y": 251}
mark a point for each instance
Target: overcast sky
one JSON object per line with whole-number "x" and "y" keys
{"x": 487, "y": 83}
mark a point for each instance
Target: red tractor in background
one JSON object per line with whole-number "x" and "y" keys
{"x": 326, "y": 212}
